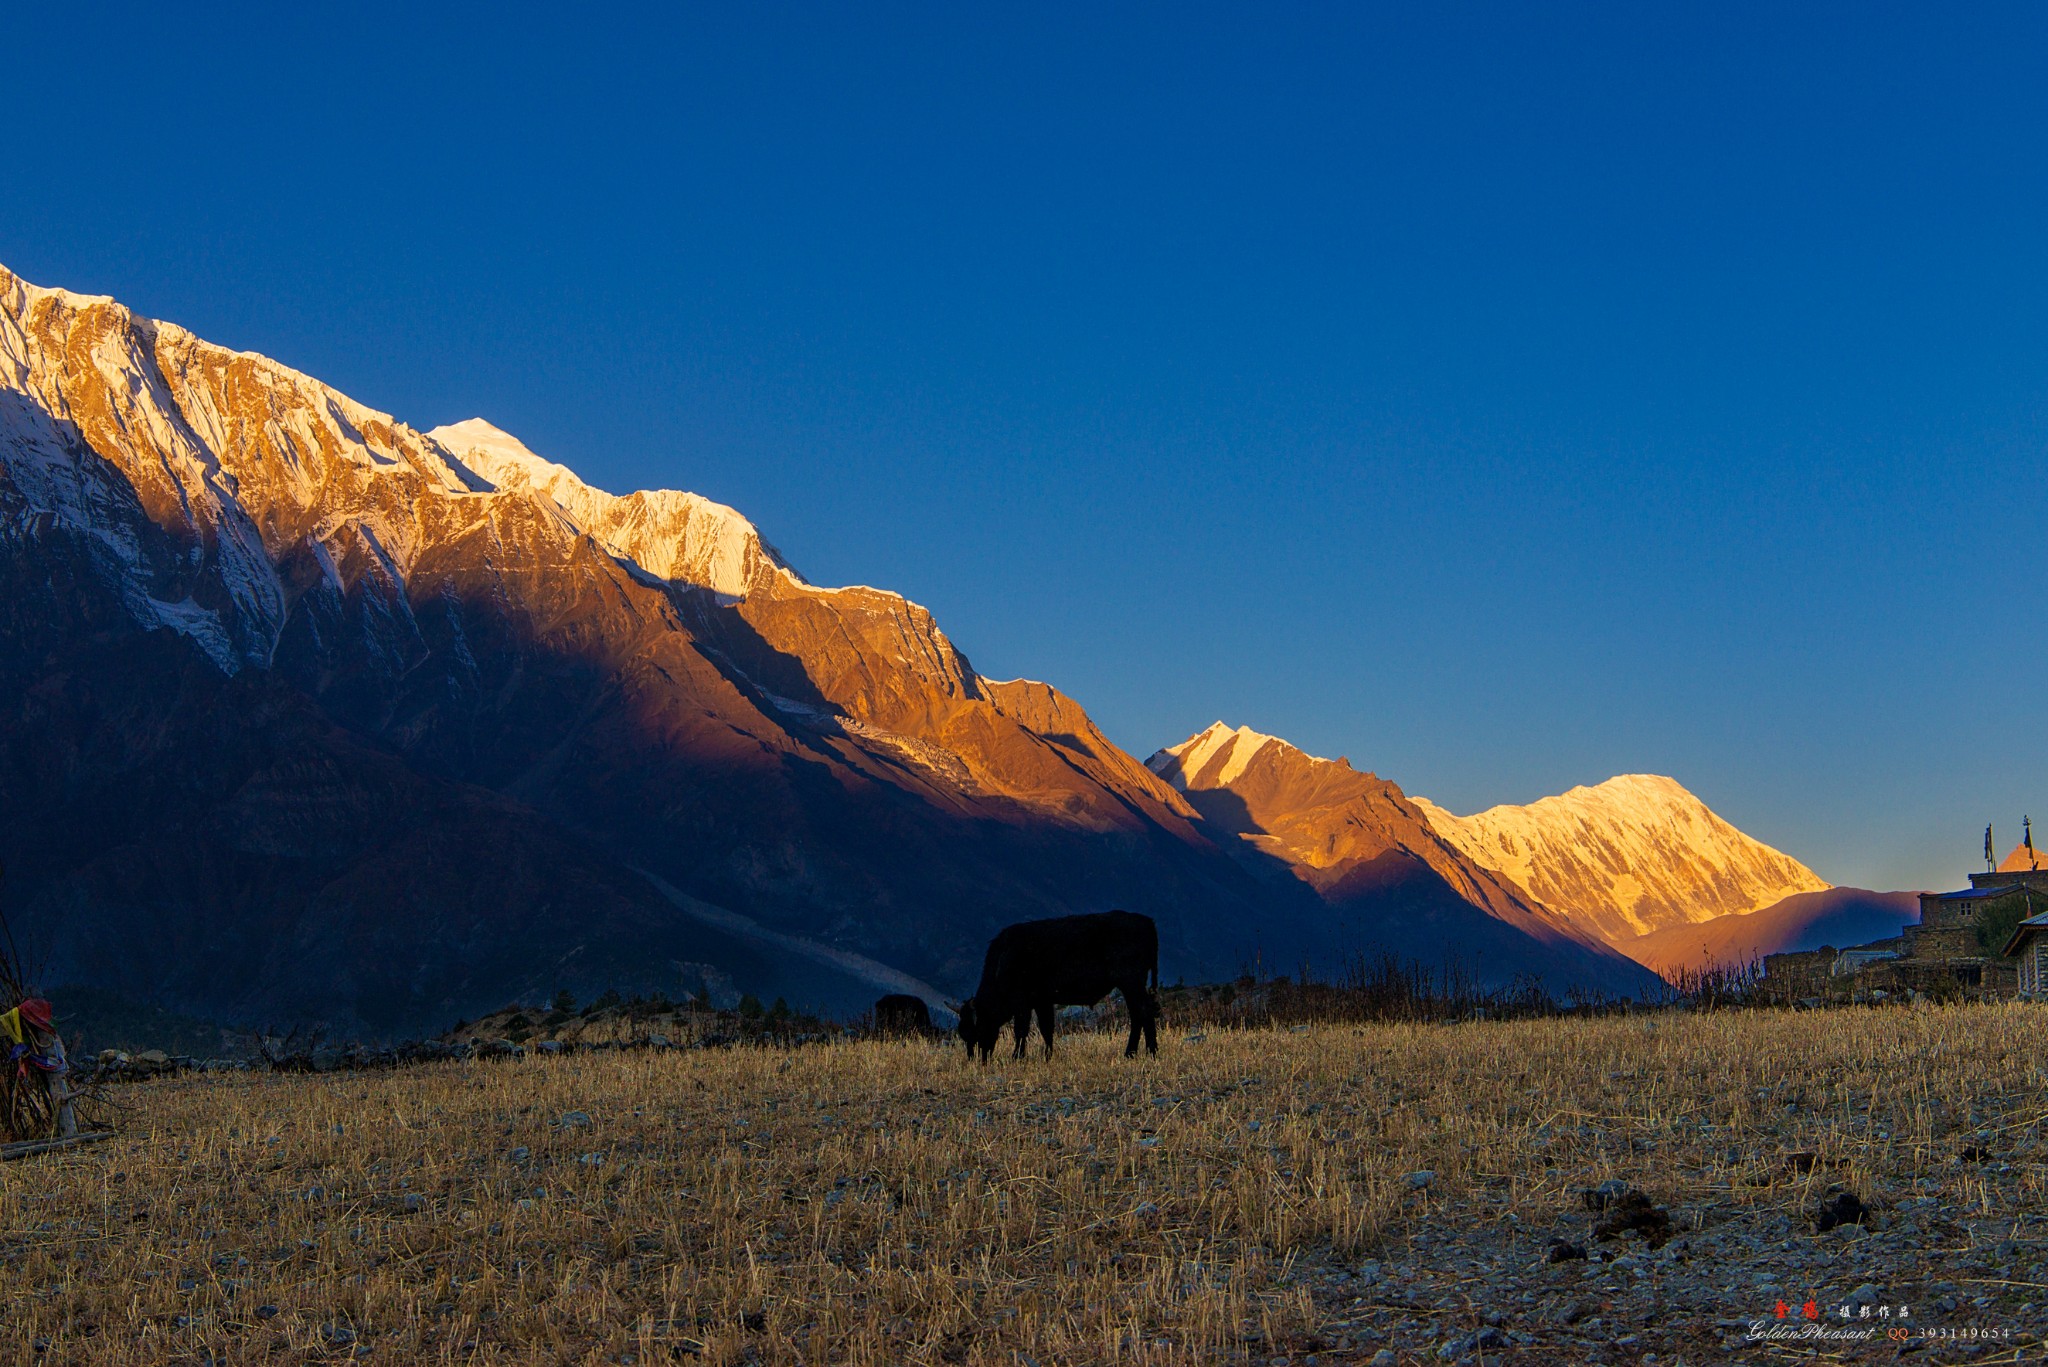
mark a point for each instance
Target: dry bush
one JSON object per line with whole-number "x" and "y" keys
{"x": 1382, "y": 988}
{"x": 1714, "y": 985}
{"x": 888, "y": 1202}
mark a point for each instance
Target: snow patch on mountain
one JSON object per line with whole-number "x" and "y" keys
{"x": 1230, "y": 749}
{"x": 1626, "y": 857}
{"x": 681, "y": 537}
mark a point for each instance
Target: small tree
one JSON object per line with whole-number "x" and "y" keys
{"x": 1996, "y": 921}
{"x": 564, "y": 1002}
{"x": 750, "y": 1006}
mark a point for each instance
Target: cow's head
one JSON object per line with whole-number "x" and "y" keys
{"x": 972, "y": 1029}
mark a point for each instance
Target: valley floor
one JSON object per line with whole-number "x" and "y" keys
{"x": 1246, "y": 1197}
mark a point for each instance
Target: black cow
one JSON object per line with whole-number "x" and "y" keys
{"x": 1066, "y": 961}
{"x": 899, "y": 1013}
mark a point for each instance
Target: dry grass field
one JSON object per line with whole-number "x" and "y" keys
{"x": 1245, "y": 1197}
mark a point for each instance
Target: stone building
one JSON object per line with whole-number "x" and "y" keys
{"x": 1796, "y": 974}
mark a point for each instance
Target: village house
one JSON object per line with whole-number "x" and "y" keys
{"x": 2028, "y": 947}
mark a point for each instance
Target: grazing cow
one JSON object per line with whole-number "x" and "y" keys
{"x": 1067, "y": 961}
{"x": 899, "y": 1013}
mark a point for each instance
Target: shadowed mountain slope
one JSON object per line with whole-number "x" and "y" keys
{"x": 1838, "y": 916}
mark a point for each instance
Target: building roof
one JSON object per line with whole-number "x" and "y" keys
{"x": 1973, "y": 894}
{"x": 2021, "y": 931}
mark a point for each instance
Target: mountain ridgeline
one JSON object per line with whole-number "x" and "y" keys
{"x": 308, "y": 715}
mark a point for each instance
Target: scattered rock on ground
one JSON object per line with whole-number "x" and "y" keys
{"x": 1563, "y": 1251}
{"x": 1635, "y": 1213}
{"x": 1843, "y": 1208}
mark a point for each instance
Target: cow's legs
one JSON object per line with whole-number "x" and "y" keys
{"x": 1045, "y": 1025}
{"x": 1021, "y": 1028}
{"x": 1144, "y": 1013}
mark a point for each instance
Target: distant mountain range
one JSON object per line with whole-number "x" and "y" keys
{"x": 307, "y": 715}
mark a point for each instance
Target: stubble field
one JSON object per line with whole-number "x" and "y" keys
{"x": 1248, "y": 1196}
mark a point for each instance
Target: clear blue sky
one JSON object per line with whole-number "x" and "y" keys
{"x": 1503, "y": 396}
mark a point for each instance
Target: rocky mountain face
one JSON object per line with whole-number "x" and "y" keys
{"x": 1627, "y": 857}
{"x": 1373, "y": 858}
{"x": 304, "y": 713}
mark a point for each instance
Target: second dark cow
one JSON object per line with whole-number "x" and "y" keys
{"x": 899, "y": 1013}
{"x": 1039, "y": 966}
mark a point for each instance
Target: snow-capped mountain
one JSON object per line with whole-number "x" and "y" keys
{"x": 1627, "y": 857}
{"x": 359, "y": 722}
{"x": 1370, "y": 853}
